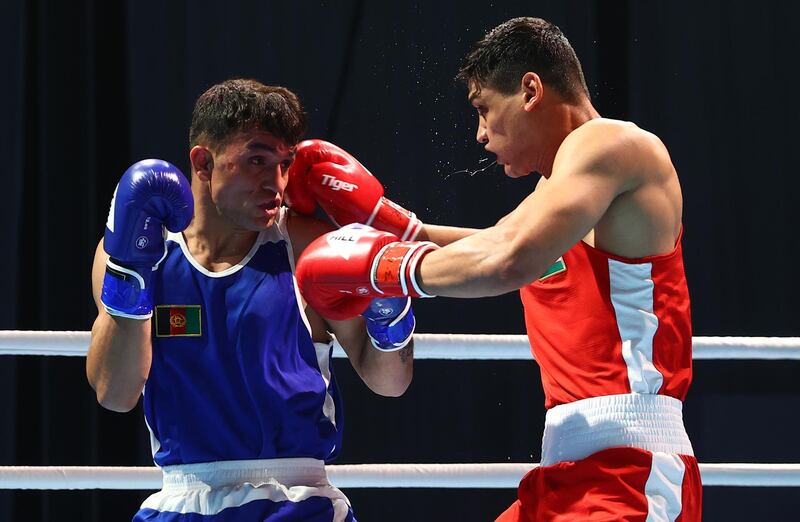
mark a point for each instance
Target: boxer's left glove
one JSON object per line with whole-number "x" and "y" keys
{"x": 150, "y": 195}
{"x": 348, "y": 193}
{"x": 390, "y": 322}
{"x": 340, "y": 272}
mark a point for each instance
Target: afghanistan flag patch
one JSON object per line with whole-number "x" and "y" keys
{"x": 178, "y": 321}
{"x": 556, "y": 268}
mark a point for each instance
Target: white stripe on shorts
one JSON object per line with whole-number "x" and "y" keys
{"x": 664, "y": 488}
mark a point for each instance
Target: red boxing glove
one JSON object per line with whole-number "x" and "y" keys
{"x": 325, "y": 174}
{"x": 340, "y": 272}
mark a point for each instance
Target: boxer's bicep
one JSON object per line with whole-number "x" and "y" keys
{"x": 560, "y": 213}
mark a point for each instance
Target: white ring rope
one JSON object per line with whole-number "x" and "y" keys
{"x": 427, "y": 346}
{"x": 375, "y": 476}
{"x": 435, "y": 346}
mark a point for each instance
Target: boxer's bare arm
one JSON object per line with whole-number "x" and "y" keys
{"x": 385, "y": 373}
{"x": 592, "y": 169}
{"x": 119, "y": 357}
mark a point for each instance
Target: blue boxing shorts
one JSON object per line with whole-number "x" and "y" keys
{"x": 275, "y": 490}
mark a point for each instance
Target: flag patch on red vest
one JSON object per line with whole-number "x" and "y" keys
{"x": 556, "y": 268}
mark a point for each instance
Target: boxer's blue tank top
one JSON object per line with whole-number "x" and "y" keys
{"x": 235, "y": 374}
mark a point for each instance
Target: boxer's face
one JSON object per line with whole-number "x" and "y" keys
{"x": 249, "y": 177}
{"x": 502, "y": 129}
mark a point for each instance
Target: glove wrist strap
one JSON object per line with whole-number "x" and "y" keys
{"x": 389, "y": 336}
{"x": 394, "y": 268}
{"x": 391, "y": 217}
{"x": 127, "y": 292}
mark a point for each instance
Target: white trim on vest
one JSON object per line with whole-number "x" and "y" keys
{"x": 632, "y": 297}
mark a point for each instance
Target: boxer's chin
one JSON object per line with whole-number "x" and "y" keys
{"x": 511, "y": 172}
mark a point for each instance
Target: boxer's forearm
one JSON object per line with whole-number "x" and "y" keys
{"x": 444, "y": 235}
{"x": 487, "y": 263}
{"x": 387, "y": 373}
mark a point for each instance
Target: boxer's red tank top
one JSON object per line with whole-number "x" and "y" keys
{"x": 601, "y": 324}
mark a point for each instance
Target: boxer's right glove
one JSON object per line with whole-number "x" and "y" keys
{"x": 348, "y": 193}
{"x": 340, "y": 272}
{"x": 390, "y": 322}
{"x": 151, "y": 194}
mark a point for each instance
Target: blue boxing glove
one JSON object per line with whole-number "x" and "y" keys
{"x": 390, "y": 322}
{"x": 150, "y": 195}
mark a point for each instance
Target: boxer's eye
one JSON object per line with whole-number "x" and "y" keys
{"x": 258, "y": 160}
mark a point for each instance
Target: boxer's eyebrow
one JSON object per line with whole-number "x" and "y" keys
{"x": 257, "y": 145}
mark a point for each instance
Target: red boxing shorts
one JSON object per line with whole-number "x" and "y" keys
{"x": 615, "y": 484}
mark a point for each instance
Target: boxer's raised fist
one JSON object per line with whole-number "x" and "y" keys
{"x": 150, "y": 195}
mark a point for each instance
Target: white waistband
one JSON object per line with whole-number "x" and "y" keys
{"x": 289, "y": 472}
{"x": 578, "y": 429}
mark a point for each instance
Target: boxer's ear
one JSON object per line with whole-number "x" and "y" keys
{"x": 202, "y": 162}
{"x": 532, "y": 90}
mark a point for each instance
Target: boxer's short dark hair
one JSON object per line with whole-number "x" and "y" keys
{"x": 507, "y": 52}
{"x": 242, "y": 104}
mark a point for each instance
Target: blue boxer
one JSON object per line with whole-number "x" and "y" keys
{"x": 242, "y": 406}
